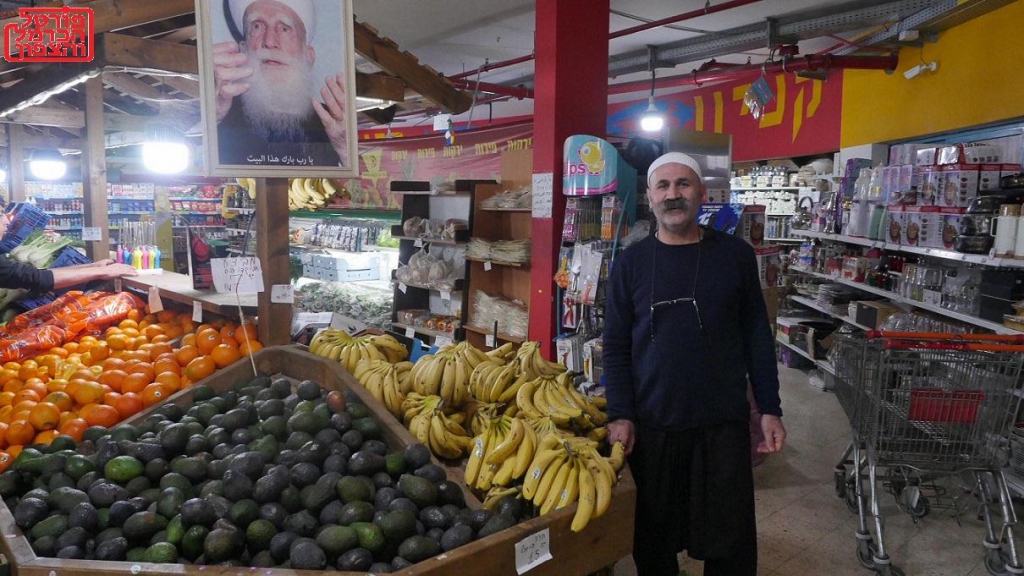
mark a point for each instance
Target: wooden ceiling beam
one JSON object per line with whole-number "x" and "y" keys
{"x": 45, "y": 116}
{"x": 38, "y": 87}
{"x": 380, "y": 86}
{"x": 133, "y": 86}
{"x": 423, "y": 79}
{"x": 186, "y": 86}
{"x": 132, "y": 52}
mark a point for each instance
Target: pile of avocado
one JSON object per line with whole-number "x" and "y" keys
{"x": 259, "y": 476}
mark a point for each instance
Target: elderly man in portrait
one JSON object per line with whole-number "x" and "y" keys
{"x": 267, "y": 110}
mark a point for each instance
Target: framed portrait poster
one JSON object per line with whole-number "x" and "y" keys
{"x": 277, "y": 81}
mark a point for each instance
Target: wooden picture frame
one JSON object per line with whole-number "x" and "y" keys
{"x": 261, "y": 123}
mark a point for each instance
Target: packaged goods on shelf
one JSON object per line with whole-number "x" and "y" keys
{"x": 518, "y": 199}
{"x": 370, "y": 306}
{"x": 426, "y": 228}
{"x": 514, "y": 251}
{"x": 512, "y": 317}
{"x": 429, "y": 321}
{"x": 438, "y": 269}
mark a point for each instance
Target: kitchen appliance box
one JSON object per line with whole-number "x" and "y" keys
{"x": 873, "y": 313}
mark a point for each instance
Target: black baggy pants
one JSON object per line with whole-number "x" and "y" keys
{"x": 695, "y": 492}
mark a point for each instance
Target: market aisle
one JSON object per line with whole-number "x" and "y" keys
{"x": 803, "y": 529}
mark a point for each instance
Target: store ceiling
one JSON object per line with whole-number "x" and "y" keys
{"x": 455, "y": 36}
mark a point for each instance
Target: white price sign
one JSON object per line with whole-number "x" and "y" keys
{"x": 543, "y": 194}
{"x": 487, "y": 266}
{"x": 197, "y": 311}
{"x": 241, "y": 275}
{"x": 402, "y": 287}
{"x": 410, "y": 332}
{"x": 533, "y": 551}
{"x": 446, "y": 295}
{"x": 91, "y": 234}
{"x": 282, "y": 294}
{"x": 155, "y": 303}
{"x": 440, "y": 341}
{"x": 418, "y": 243}
{"x": 489, "y": 341}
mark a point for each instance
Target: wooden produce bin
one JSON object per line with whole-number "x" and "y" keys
{"x": 606, "y": 540}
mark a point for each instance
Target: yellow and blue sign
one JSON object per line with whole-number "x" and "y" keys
{"x": 591, "y": 166}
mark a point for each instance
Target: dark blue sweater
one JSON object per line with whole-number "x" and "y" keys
{"x": 694, "y": 372}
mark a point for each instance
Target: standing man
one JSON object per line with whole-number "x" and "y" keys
{"x": 266, "y": 105}
{"x": 685, "y": 327}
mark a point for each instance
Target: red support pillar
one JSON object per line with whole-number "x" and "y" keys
{"x": 571, "y": 97}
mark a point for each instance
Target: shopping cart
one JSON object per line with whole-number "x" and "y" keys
{"x": 923, "y": 405}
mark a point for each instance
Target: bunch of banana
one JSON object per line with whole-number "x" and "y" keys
{"x": 480, "y": 415}
{"x": 310, "y": 193}
{"x": 392, "y": 349}
{"x": 545, "y": 425}
{"x": 445, "y": 374}
{"x": 337, "y": 345}
{"x": 249, "y": 184}
{"x": 443, "y": 434}
{"x": 559, "y": 400}
{"x": 533, "y": 364}
{"x": 493, "y": 382}
{"x": 387, "y": 382}
{"x": 501, "y": 454}
{"x": 497, "y": 493}
{"x": 565, "y": 471}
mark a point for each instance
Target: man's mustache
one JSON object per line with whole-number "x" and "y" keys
{"x": 674, "y": 203}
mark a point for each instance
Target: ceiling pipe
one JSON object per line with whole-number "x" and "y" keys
{"x": 519, "y": 92}
{"x": 810, "y": 63}
{"x": 620, "y": 33}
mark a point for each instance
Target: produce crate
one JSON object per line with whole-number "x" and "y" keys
{"x": 604, "y": 541}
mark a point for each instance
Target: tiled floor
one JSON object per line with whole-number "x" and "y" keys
{"x": 803, "y": 529}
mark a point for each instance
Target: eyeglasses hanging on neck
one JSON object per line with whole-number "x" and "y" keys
{"x": 666, "y": 304}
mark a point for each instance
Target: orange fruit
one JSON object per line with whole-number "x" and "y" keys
{"x": 135, "y": 314}
{"x": 44, "y": 416}
{"x": 30, "y": 395}
{"x": 163, "y": 365}
{"x": 45, "y": 437}
{"x": 83, "y": 374}
{"x": 207, "y": 340}
{"x": 101, "y": 351}
{"x": 113, "y": 378}
{"x": 6, "y": 375}
{"x": 136, "y": 382}
{"x": 103, "y": 415}
{"x": 173, "y": 331}
{"x": 20, "y": 432}
{"x": 27, "y": 371}
{"x": 117, "y": 342}
{"x": 165, "y": 315}
{"x": 224, "y": 354}
{"x": 143, "y": 368}
{"x": 74, "y": 428}
{"x": 61, "y": 400}
{"x": 160, "y": 339}
{"x": 88, "y": 393}
{"x": 3, "y": 434}
{"x": 128, "y": 323}
{"x": 158, "y": 350}
{"x": 200, "y": 368}
{"x": 113, "y": 364}
{"x": 128, "y": 404}
{"x": 152, "y": 331}
{"x": 153, "y": 394}
{"x": 169, "y": 380}
{"x": 250, "y": 348}
{"x": 56, "y": 385}
{"x": 14, "y": 385}
{"x": 37, "y": 385}
{"x": 186, "y": 354}
{"x": 204, "y": 327}
{"x": 243, "y": 331}
{"x": 136, "y": 355}
{"x": 227, "y": 332}
{"x": 188, "y": 340}
{"x": 72, "y": 347}
{"x": 6, "y": 398}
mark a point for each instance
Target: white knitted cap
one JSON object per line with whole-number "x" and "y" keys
{"x": 303, "y": 8}
{"x": 673, "y": 158}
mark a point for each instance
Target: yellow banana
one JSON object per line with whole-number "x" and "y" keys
{"x": 476, "y": 458}
{"x": 618, "y": 456}
{"x": 550, "y": 474}
{"x": 572, "y": 486}
{"x": 525, "y": 453}
{"x": 535, "y": 471}
{"x": 557, "y": 486}
{"x": 587, "y": 499}
{"x": 503, "y": 451}
{"x": 504, "y": 474}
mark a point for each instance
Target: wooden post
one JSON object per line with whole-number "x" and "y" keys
{"x": 16, "y": 161}
{"x": 272, "y": 250}
{"x": 94, "y": 170}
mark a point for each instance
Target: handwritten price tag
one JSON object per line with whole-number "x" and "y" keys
{"x": 489, "y": 340}
{"x": 442, "y": 341}
{"x": 446, "y": 295}
{"x": 533, "y": 551}
{"x": 282, "y": 294}
{"x": 419, "y": 243}
{"x": 91, "y": 233}
{"x": 241, "y": 275}
{"x": 402, "y": 287}
{"x": 197, "y": 311}
{"x": 487, "y": 266}
{"x": 410, "y": 332}
{"x": 155, "y": 303}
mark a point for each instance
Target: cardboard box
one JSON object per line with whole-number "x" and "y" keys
{"x": 948, "y": 228}
{"x": 874, "y": 313}
{"x": 788, "y": 328}
{"x": 926, "y": 156}
{"x": 911, "y": 226}
{"x": 988, "y": 176}
{"x": 894, "y": 224}
{"x": 931, "y": 181}
{"x": 957, "y": 185}
{"x": 768, "y": 265}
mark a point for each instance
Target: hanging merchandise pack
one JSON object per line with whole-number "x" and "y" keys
{"x": 512, "y": 317}
{"x": 518, "y": 199}
{"x": 438, "y": 269}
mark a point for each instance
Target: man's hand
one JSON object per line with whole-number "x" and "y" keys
{"x": 230, "y": 68}
{"x": 622, "y": 431}
{"x": 333, "y": 114}
{"x": 774, "y": 434}
{"x": 101, "y": 263}
{"x": 118, "y": 270}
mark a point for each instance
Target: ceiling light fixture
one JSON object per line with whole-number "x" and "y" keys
{"x": 652, "y": 119}
{"x": 363, "y": 103}
{"x": 916, "y": 71}
{"x": 47, "y": 164}
{"x": 165, "y": 150}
